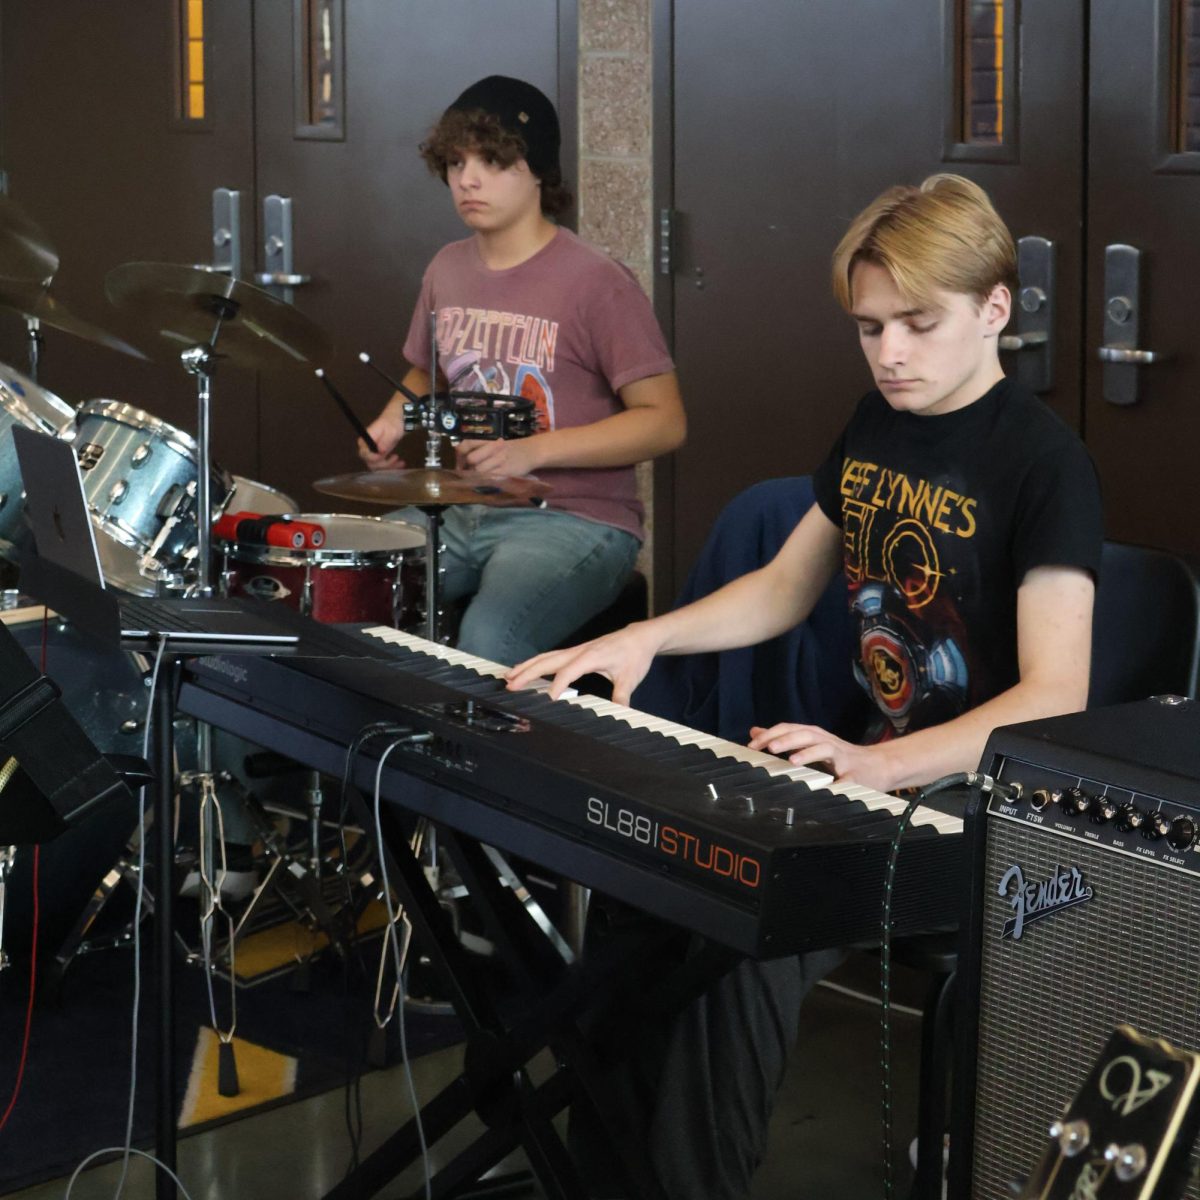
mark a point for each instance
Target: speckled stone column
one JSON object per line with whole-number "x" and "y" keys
{"x": 614, "y": 187}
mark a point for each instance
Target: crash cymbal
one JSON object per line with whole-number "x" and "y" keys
{"x": 35, "y": 303}
{"x": 422, "y": 485}
{"x": 185, "y": 306}
{"x": 26, "y": 255}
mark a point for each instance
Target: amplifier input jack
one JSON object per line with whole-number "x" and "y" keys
{"x": 1041, "y": 798}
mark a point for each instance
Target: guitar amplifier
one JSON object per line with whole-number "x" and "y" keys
{"x": 1084, "y": 913}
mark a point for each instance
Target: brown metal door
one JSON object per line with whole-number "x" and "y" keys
{"x": 1145, "y": 193}
{"x": 95, "y": 153}
{"x": 788, "y": 119}
{"x": 367, "y": 215}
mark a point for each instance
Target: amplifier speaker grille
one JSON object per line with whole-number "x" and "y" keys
{"x": 1049, "y": 1000}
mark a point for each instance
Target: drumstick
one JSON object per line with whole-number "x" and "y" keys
{"x": 408, "y": 393}
{"x": 359, "y": 427}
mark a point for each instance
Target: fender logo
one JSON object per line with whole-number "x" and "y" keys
{"x": 1032, "y": 901}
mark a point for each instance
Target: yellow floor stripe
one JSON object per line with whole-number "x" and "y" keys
{"x": 289, "y": 943}
{"x": 263, "y": 1075}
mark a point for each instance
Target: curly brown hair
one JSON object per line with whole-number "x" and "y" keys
{"x": 482, "y": 133}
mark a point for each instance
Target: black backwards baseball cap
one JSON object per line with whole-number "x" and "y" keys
{"x": 522, "y": 110}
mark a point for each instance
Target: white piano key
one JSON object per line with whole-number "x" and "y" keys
{"x": 685, "y": 736}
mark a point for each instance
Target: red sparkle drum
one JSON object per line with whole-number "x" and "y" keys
{"x": 367, "y": 570}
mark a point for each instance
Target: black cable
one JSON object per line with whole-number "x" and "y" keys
{"x": 355, "y": 1049}
{"x": 986, "y": 785}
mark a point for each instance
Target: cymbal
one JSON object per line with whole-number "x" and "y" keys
{"x": 35, "y": 302}
{"x": 423, "y": 485}
{"x": 26, "y": 255}
{"x": 184, "y": 306}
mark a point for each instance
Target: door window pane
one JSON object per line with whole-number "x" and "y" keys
{"x": 984, "y": 63}
{"x": 320, "y": 93}
{"x": 1186, "y": 56}
{"x": 191, "y": 104}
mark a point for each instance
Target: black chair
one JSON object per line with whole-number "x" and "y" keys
{"x": 1145, "y": 642}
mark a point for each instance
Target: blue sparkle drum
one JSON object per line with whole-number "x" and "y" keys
{"x": 140, "y": 479}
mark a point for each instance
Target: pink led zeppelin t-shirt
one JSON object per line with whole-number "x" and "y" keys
{"x": 566, "y": 329}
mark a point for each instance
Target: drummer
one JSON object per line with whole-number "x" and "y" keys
{"x": 526, "y": 308}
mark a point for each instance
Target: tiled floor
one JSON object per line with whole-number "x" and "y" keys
{"x": 825, "y": 1135}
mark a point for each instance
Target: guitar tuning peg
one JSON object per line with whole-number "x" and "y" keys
{"x": 1071, "y": 1136}
{"x": 1128, "y": 1162}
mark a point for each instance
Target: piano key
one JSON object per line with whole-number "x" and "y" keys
{"x": 546, "y": 709}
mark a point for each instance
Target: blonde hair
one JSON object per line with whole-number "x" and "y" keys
{"x": 942, "y": 236}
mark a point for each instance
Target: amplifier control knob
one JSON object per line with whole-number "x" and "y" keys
{"x": 1157, "y": 825}
{"x": 1130, "y": 818}
{"x": 1182, "y": 833}
{"x": 1075, "y": 802}
{"x": 1103, "y": 810}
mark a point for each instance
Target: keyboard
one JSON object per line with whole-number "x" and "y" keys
{"x": 738, "y": 845}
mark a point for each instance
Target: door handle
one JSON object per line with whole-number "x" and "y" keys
{"x": 1024, "y": 341}
{"x": 1119, "y": 351}
{"x": 1033, "y": 313}
{"x": 227, "y": 232}
{"x": 280, "y": 279}
{"x": 278, "y": 249}
{"x": 1140, "y": 358}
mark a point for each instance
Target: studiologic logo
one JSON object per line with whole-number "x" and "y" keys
{"x": 1032, "y": 901}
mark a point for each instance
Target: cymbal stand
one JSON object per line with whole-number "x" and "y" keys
{"x": 201, "y": 362}
{"x": 35, "y": 341}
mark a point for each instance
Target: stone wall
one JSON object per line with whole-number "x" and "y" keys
{"x": 614, "y": 188}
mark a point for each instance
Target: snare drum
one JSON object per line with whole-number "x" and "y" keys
{"x": 367, "y": 570}
{"x": 23, "y": 402}
{"x": 139, "y": 476}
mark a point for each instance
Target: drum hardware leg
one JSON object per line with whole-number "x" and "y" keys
{"x": 201, "y": 362}
{"x": 306, "y": 592}
{"x": 35, "y": 341}
{"x": 7, "y": 857}
{"x": 314, "y": 798}
{"x": 516, "y": 885}
{"x": 226, "y": 582}
{"x": 433, "y": 570}
{"x": 78, "y": 942}
{"x": 398, "y": 595}
{"x": 577, "y": 898}
{"x": 293, "y": 880}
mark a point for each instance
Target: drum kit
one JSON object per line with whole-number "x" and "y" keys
{"x": 147, "y": 483}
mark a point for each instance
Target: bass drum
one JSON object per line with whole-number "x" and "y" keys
{"x": 105, "y": 691}
{"x": 24, "y": 403}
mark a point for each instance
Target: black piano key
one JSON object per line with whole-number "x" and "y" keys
{"x": 531, "y": 704}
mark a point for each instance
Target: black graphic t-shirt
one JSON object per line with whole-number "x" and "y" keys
{"x": 942, "y": 516}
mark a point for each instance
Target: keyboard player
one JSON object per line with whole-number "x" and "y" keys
{"x": 966, "y": 519}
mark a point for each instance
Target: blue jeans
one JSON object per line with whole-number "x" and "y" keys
{"x": 536, "y": 575}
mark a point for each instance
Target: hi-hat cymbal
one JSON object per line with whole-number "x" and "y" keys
{"x": 422, "y": 485}
{"x": 184, "y": 306}
{"x": 26, "y": 255}
{"x": 35, "y": 303}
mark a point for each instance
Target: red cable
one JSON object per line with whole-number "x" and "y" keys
{"x": 32, "y": 988}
